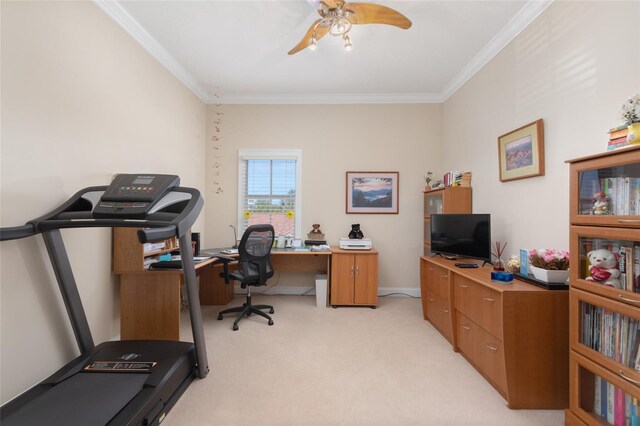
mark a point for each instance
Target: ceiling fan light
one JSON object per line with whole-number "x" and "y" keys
{"x": 313, "y": 43}
{"x": 347, "y": 43}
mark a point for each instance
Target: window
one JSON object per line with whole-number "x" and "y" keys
{"x": 269, "y": 190}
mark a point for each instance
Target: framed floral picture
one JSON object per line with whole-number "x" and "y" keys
{"x": 372, "y": 192}
{"x": 521, "y": 152}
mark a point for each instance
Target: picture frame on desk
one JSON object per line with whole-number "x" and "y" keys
{"x": 521, "y": 152}
{"x": 372, "y": 192}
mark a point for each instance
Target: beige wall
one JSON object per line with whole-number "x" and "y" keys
{"x": 334, "y": 139}
{"x": 81, "y": 101}
{"x": 573, "y": 67}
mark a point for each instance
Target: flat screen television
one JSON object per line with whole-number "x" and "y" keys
{"x": 461, "y": 235}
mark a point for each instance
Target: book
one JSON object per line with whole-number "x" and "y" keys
{"x": 618, "y": 140}
{"x": 524, "y": 262}
{"x": 597, "y": 403}
{"x": 630, "y": 274}
{"x": 618, "y": 408}
{"x": 636, "y": 268}
{"x": 615, "y": 134}
{"x": 620, "y": 127}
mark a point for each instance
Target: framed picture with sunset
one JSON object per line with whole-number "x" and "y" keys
{"x": 372, "y": 192}
{"x": 521, "y": 152}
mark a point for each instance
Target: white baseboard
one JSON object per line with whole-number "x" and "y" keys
{"x": 311, "y": 291}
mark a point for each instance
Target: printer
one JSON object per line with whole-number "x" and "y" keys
{"x": 355, "y": 244}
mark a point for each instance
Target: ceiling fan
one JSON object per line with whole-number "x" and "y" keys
{"x": 338, "y": 17}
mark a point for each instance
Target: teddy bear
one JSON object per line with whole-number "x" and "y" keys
{"x": 604, "y": 268}
{"x": 600, "y": 203}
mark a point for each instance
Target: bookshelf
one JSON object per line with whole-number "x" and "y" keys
{"x": 451, "y": 199}
{"x": 150, "y": 301}
{"x": 604, "y": 329}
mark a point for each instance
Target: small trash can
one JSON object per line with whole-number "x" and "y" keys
{"x": 321, "y": 291}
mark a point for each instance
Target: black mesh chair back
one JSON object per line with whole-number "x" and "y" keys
{"x": 254, "y": 269}
{"x": 254, "y": 263}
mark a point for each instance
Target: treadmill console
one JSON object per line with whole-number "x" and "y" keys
{"x": 133, "y": 195}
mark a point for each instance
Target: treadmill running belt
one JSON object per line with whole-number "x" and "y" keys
{"x": 83, "y": 399}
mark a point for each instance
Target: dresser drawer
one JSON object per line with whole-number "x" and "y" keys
{"x": 439, "y": 281}
{"x": 489, "y": 358}
{"x": 465, "y": 332}
{"x": 439, "y": 314}
{"x": 465, "y": 297}
{"x": 479, "y": 303}
{"x": 490, "y": 311}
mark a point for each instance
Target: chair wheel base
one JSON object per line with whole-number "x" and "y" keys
{"x": 270, "y": 322}
{"x": 235, "y": 327}
{"x": 219, "y": 317}
{"x": 271, "y": 311}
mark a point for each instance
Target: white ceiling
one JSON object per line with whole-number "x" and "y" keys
{"x": 236, "y": 51}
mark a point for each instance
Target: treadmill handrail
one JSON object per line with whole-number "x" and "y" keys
{"x": 17, "y": 232}
{"x": 159, "y": 226}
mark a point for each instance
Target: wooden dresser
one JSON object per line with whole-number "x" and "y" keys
{"x": 515, "y": 335}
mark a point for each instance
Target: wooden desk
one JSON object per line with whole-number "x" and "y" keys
{"x": 150, "y": 300}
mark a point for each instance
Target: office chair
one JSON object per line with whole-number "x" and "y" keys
{"x": 254, "y": 268}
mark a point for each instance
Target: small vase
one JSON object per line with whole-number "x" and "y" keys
{"x": 633, "y": 135}
{"x": 498, "y": 266}
{"x": 550, "y": 276}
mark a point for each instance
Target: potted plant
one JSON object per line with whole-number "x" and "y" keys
{"x": 630, "y": 113}
{"x": 549, "y": 265}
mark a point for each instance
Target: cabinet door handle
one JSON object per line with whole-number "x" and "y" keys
{"x": 352, "y": 272}
{"x": 488, "y": 299}
{"x": 431, "y": 300}
{"x": 357, "y": 271}
{"x": 493, "y": 348}
{"x": 466, "y": 327}
{"x": 444, "y": 276}
{"x": 628, "y": 220}
{"x": 431, "y": 269}
{"x": 626, "y": 299}
{"x": 627, "y": 378}
{"x": 463, "y": 286}
{"x": 446, "y": 311}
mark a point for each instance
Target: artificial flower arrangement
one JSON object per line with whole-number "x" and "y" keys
{"x": 550, "y": 259}
{"x": 630, "y": 111}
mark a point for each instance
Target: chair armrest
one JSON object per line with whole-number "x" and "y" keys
{"x": 225, "y": 261}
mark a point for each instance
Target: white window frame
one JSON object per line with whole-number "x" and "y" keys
{"x": 271, "y": 154}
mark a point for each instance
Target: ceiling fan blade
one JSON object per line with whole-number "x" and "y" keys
{"x": 369, "y": 13}
{"x": 304, "y": 43}
{"x": 332, "y": 3}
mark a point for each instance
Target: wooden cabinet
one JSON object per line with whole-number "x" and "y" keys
{"x": 605, "y": 319}
{"x": 436, "y": 299}
{"x": 515, "y": 335}
{"x": 453, "y": 199}
{"x": 150, "y": 301}
{"x": 354, "y": 277}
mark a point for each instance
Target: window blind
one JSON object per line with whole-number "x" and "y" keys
{"x": 269, "y": 190}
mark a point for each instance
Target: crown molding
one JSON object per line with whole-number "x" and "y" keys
{"x": 155, "y": 49}
{"x": 330, "y": 98}
{"x": 515, "y": 26}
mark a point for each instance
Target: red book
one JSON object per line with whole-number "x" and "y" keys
{"x": 617, "y": 140}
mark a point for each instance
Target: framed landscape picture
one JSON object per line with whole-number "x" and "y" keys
{"x": 521, "y": 152}
{"x": 372, "y": 192}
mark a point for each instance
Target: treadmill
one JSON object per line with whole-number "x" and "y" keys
{"x": 130, "y": 382}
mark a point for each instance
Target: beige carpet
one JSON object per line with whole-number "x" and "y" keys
{"x": 344, "y": 366}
